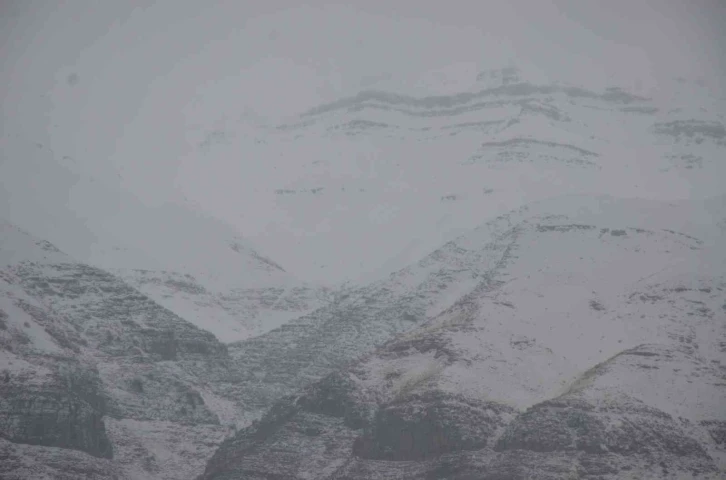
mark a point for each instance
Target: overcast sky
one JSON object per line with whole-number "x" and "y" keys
{"x": 126, "y": 88}
{"x": 116, "y": 81}
{"x": 128, "y": 83}
{"x": 130, "y": 61}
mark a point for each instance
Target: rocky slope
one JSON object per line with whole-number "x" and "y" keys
{"x": 308, "y": 348}
{"x": 594, "y": 349}
{"x": 232, "y": 310}
{"x": 193, "y": 264}
{"x": 554, "y": 327}
{"x": 96, "y": 379}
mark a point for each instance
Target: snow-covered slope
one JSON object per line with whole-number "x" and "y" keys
{"x": 191, "y": 263}
{"x": 99, "y": 381}
{"x": 590, "y": 346}
{"x": 563, "y": 327}
{"x": 366, "y": 185}
{"x": 231, "y": 311}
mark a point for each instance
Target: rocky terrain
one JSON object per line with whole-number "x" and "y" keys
{"x": 593, "y": 349}
{"x": 538, "y": 293}
{"x": 232, "y": 312}
{"x": 97, "y": 380}
{"x": 190, "y": 263}
{"x": 498, "y": 326}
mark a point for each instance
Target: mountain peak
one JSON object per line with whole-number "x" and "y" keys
{"x": 18, "y": 245}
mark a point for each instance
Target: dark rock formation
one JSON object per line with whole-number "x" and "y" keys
{"x": 65, "y": 411}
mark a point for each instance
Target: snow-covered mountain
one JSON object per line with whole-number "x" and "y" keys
{"x": 585, "y": 339}
{"x": 538, "y": 293}
{"x": 363, "y": 186}
{"x": 191, "y": 263}
{"x": 98, "y": 380}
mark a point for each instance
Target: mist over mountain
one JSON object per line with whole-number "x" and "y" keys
{"x": 277, "y": 241}
{"x": 383, "y": 177}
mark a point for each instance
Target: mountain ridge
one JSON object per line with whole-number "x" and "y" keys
{"x": 358, "y": 176}
{"x": 190, "y": 262}
{"x": 91, "y": 365}
{"x": 544, "y": 262}
{"x": 401, "y": 411}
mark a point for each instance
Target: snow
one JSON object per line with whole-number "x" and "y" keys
{"x": 83, "y": 214}
{"x": 205, "y": 313}
{"x": 171, "y": 450}
{"x": 94, "y": 221}
{"x": 14, "y": 364}
{"x": 336, "y": 202}
{"x": 18, "y": 319}
{"x": 604, "y": 251}
{"x": 18, "y": 246}
{"x": 586, "y": 278}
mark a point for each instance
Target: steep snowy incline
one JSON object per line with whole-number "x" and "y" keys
{"x": 189, "y": 262}
{"x": 364, "y": 186}
{"x": 594, "y": 350}
{"x": 99, "y": 381}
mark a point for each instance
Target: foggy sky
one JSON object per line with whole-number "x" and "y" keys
{"x": 139, "y": 61}
{"x": 125, "y": 86}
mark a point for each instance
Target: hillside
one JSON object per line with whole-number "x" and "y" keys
{"x": 594, "y": 349}
{"x": 99, "y": 381}
{"x": 191, "y": 263}
{"x": 364, "y": 186}
{"x": 499, "y": 278}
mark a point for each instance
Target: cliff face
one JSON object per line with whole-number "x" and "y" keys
{"x": 595, "y": 351}
{"x": 64, "y": 411}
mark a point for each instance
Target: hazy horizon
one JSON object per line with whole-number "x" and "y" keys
{"x": 406, "y": 239}
{"x": 127, "y": 91}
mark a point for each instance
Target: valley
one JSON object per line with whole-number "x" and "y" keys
{"x": 517, "y": 280}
